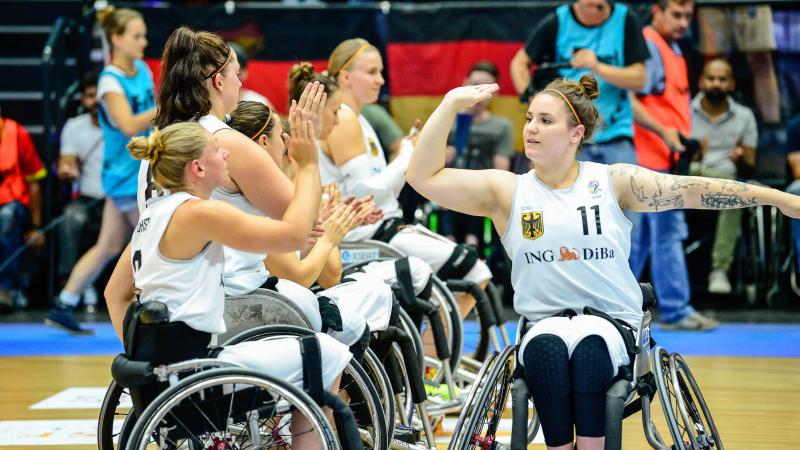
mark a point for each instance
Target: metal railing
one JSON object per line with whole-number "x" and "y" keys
{"x": 71, "y": 39}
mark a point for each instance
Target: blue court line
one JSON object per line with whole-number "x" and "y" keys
{"x": 731, "y": 339}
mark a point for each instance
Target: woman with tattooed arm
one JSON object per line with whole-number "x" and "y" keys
{"x": 563, "y": 227}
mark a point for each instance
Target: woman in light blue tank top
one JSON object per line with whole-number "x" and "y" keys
{"x": 570, "y": 360}
{"x": 127, "y": 107}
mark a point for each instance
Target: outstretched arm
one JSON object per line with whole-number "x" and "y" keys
{"x": 475, "y": 192}
{"x": 643, "y": 190}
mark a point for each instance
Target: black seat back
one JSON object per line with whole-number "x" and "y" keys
{"x": 152, "y": 338}
{"x": 648, "y": 296}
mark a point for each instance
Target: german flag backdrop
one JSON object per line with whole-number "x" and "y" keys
{"x": 427, "y": 48}
{"x": 430, "y": 50}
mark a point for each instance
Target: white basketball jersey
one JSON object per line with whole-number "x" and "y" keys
{"x": 192, "y": 289}
{"x": 147, "y": 190}
{"x": 569, "y": 248}
{"x": 328, "y": 170}
{"x": 375, "y": 155}
{"x": 244, "y": 271}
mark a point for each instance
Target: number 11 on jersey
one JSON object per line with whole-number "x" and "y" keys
{"x": 596, "y": 209}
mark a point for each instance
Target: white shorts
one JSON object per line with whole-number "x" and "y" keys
{"x": 572, "y": 331}
{"x": 385, "y": 270}
{"x": 281, "y": 358}
{"x": 304, "y": 299}
{"x": 435, "y": 250}
{"x": 368, "y": 297}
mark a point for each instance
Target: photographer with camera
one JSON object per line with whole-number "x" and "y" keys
{"x": 663, "y": 122}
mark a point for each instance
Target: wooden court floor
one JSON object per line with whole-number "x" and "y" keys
{"x": 755, "y": 401}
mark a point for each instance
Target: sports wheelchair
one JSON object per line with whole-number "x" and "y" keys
{"x": 450, "y": 366}
{"x": 181, "y": 398}
{"x": 654, "y": 370}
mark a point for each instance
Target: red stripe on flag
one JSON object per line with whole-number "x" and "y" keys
{"x": 268, "y": 78}
{"x": 433, "y": 68}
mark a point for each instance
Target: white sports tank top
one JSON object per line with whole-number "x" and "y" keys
{"x": 192, "y": 289}
{"x": 244, "y": 271}
{"x": 328, "y": 171}
{"x": 569, "y": 248}
{"x": 375, "y": 155}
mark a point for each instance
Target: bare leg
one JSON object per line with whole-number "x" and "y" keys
{"x": 114, "y": 232}
{"x": 565, "y": 447}
{"x": 765, "y": 86}
{"x": 591, "y": 443}
{"x": 302, "y": 437}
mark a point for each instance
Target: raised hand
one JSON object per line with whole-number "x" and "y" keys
{"x": 339, "y": 223}
{"x": 331, "y": 197}
{"x": 302, "y": 143}
{"x": 312, "y": 103}
{"x": 466, "y": 96}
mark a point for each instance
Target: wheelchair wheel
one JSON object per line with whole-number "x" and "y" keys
{"x": 460, "y": 431}
{"x": 376, "y": 427}
{"x": 407, "y": 325}
{"x": 443, "y": 299}
{"x": 694, "y": 411}
{"x": 228, "y": 408}
{"x": 670, "y": 398}
{"x": 377, "y": 374}
{"x": 485, "y": 410}
{"x": 110, "y": 411}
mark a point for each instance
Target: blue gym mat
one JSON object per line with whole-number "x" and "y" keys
{"x": 731, "y": 339}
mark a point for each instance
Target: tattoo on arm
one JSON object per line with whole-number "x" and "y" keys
{"x": 721, "y": 200}
{"x": 637, "y": 190}
{"x": 661, "y": 202}
{"x": 688, "y": 183}
{"x": 733, "y": 186}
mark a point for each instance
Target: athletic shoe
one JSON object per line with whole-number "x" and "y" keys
{"x": 718, "y": 282}
{"x": 90, "y": 299}
{"x": 441, "y": 391}
{"x": 692, "y": 322}
{"x": 63, "y": 317}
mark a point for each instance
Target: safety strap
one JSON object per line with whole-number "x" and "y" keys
{"x": 271, "y": 283}
{"x": 129, "y": 326}
{"x": 459, "y": 263}
{"x": 312, "y": 368}
{"x": 388, "y": 229}
{"x": 402, "y": 268}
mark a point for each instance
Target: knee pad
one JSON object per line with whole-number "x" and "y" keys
{"x": 459, "y": 263}
{"x": 546, "y": 361}
{"x": 425, "y": 293}
{"x": 591, "y": 374}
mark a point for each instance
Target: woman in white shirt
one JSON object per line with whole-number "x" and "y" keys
{"x": 563, "y": 228}
{"x": 354, "y": 148}
{"x": 174, "y": 261}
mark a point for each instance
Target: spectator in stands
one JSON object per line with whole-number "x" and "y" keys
{"x": 127, "y": 108}
{"x": 595, "y": 36}
{"x": 247, "y": 95}
{"x": 81, "y": 163}
{"x": 20, "y": 203}
{"x": 750, "y": 27}
{"x": 485, "y": 142}
{"x": 662, "y": 113}
{"x": 793, "y": 158}
{"x": 730, "y": 134}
